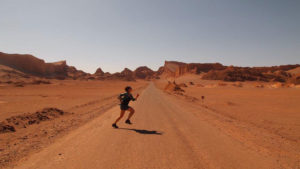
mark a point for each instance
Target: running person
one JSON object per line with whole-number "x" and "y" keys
{"x": 125, "y": 98}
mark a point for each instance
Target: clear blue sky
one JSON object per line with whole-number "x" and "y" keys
{"x": 113, "y": 34}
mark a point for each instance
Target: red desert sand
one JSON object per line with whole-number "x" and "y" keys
{"x": 200, "y": 116}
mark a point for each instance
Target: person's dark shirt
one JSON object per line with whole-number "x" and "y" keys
{"x": 125, "y": 98}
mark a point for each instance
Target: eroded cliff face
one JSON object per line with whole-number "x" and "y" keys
{"x": 25, "y": 66}
{"x": 34, "y": 66}
{"x": 143, "y": 72}
{"x": 127, "y": 75}
{"x": 160, "y": 71}
{"x": 127, "y": 72}
{"x": 266, "y": 74}
{"x": 216, "y": 71}
{"x": 176, "y": 69}
{"x": 99, "y": 72}
{"x": 31, "y": 65}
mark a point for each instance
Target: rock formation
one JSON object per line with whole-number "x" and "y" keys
{"x": 160, "y": 71}
{"x": 216, "y": 71}
{"x": 18, "y": 66}
{"x": 267, "y": 74}
{"x": 31, "y": 65}
{"x": 127, "y": 74}
{"x": 176, "y": 69}
{"x": 34, "y": 66}
{"x": 143, "y": 72}
{"x": 99, "y": 72}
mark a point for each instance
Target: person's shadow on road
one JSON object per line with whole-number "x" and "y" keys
{"x": 144, "y": 131}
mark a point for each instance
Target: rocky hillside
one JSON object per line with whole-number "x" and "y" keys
{"x": 142, "y": 72}
{"x": 18, "y": 66}
{"x": 216, "y": 71}
{"x": 33, "y": 66}
{"x": 267, "y": 74}
{"x": 175, "y": 69}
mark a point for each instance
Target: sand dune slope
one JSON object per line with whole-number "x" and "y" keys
{"x": 164, "y": 135}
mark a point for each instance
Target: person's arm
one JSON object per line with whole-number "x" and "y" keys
{"x": 134, "y": 99}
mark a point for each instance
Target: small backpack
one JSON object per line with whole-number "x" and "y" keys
{"x": 121, "y": 97}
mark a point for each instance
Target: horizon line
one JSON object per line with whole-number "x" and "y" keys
{"x": 227, "y": 65}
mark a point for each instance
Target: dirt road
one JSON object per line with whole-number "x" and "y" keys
{"x": 164, "y": 135}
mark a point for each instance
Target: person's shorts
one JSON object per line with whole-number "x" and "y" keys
{"x": 124, "y": 107}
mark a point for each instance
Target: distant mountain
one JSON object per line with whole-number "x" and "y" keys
{"x": 99, "y": 72}
{"x": 17, "y": 66}
{"x": 30, "y": 65}
{"x": 37, "y": 67}
{"x": 142, "y": 72}
{"x": 176, "y": 69}
{"x": 217, "y": 71}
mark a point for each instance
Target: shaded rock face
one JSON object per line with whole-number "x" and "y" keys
{"x": 34, "y": 66}
{"x": 31, "y": 65}
{"x": 267, "y": 74}
{"x": 99, "y": 72}
{"x": 10, "y": 76}
{"x": 176, "y": 69}
{"x": 216, "y": 71}
{"x": 273, "y": 69}
{"x": 294, "y": 80}
{"x": 107, "y": 74}
{"x": 26, "y": 66}
{"x": 143, "y": 72}
{"x": 127, "y": 72}
{"x": 295, "y": 71}
{"x": 127, "y": 75}
{"x": 160, "y": 71}
{"x": 73, "y": 73}
{"x": 8, "y": 73}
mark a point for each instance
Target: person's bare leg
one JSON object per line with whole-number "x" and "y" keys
{"x": 121, "y": 115}
{"x": 131, "y": 110}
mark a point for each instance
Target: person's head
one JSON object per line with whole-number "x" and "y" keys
{"x": 128, "y": 89}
